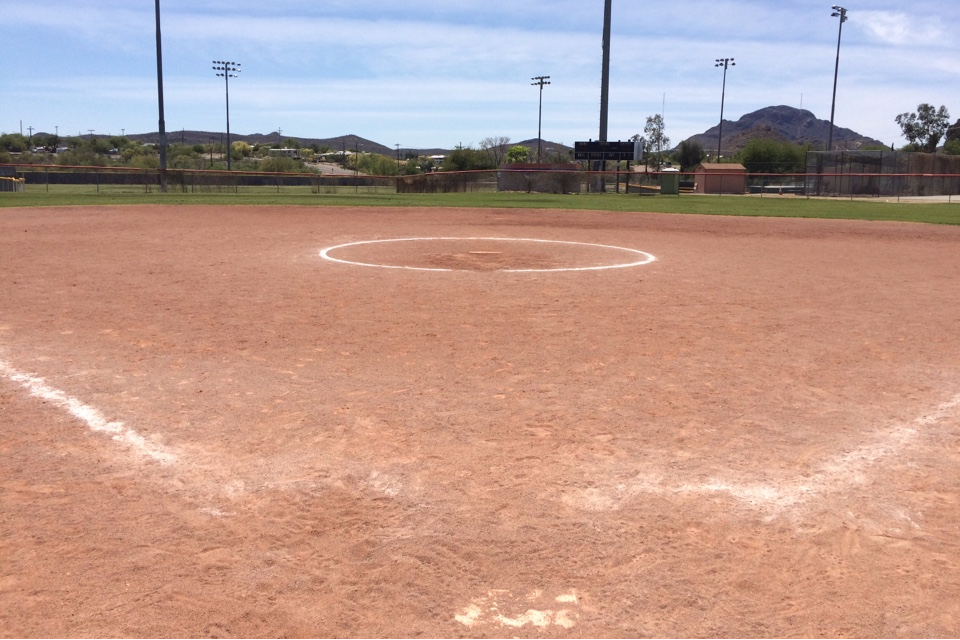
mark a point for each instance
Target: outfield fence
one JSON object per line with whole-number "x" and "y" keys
{"x": 122, "y": 179}
{"x": 849, "y": 176}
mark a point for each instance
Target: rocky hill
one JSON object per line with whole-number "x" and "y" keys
{"x": 784, "y": 124}
{"x": 348, "y": 142}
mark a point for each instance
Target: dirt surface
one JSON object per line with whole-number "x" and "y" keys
{"x": 207, "y": 428}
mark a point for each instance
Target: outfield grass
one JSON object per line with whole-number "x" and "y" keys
{"x": 771, "y": 206}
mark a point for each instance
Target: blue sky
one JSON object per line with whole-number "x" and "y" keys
{"x": 437, "y": 74}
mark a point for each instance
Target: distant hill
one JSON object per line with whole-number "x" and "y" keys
{"x": 350, "y": 141}
{"x": 784, "y": 124}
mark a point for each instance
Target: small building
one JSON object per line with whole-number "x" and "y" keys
{"x": 670, "y": 181}
{"x": 284, "y": 153}
{"x": 720, "y": 177}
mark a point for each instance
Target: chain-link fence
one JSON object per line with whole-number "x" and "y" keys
{"x": 839, "y": 174}
{"x": 118, "y": 179}
{"x": 881, "y": 174}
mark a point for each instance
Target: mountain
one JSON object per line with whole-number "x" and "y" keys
{"x": 781, "y": 123}
{"x": 784, "y": 124}
{"x": 349, "y": 142}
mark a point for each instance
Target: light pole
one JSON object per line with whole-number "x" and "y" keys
{"x": 539, "y": 81}
{"x": 601, "y": 165}
{"x": 838, "y": 12}
{"x": 226, "y": 71}
{"x": 161, "y": 131}
{"x": 723, "y": 62}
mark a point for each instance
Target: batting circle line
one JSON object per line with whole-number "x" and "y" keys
{"x": 646, "y": 257}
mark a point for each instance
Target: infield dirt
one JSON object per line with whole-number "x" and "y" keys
{"x": 755, "y": 434}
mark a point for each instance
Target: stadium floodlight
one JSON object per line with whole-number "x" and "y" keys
{"x": 226, "y": 70}
{"x": 838, "y": 12}
{"x": 539, "y": 81}
{"x": 162, "y": 130}
{"x": 722, "y": 62}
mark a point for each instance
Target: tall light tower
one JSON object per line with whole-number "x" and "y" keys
{"x": 539, "y": 81}
{"x": 226, "y": 71}
{"x": 723, "y": 62}
{"x": 838, "y": 12}
{"x": 605, "y": 70}
{"x": 162, "y": 135}
{"x": 601, "y": 165}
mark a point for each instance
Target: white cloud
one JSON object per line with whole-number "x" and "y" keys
{"x": 899, "y": 28}
{"x": 437, "y": 73}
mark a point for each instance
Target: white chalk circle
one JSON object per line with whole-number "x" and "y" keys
{"x": 514, "y": 255}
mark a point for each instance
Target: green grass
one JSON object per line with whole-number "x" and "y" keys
{"x": 771, "y": 206}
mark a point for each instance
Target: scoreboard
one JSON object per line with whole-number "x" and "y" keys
{"x": 607, "y": 150}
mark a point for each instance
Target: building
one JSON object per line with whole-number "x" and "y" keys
{"x": 720, "y": 177}
{"x": 285, "y": 153}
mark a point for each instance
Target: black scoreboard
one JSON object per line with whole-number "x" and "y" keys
{"x": 607, "y": 150}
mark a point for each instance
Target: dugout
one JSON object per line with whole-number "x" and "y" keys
{"x": 720, "y": 177}
{"x": 9, "y": 180}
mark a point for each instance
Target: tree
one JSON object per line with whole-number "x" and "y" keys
{"x": 374, "y": 164}
{"x": 656, "y": 140}
{"x": 412, "y": 166}
{"x": 953, "y": 131}
{"x": 280, "y": 164}
{"x": 496, "y": 147}
{"x": 518, "y": 153}
{"x": 762, "y": 155}
{"x": 467, "y": 159}
{"x": 690, "y": 154}
{"x": 14, "y": 142}
{"x": 241, "y": 149}
{"x": 925, "y": 127}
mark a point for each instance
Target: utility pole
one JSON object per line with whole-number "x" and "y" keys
{"x": 539, "y": 81}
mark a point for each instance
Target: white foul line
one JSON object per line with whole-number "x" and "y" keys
{"x": 646, "y": 257}
{"x": 836, "y": 474}
{"x": 91, "y": 416}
